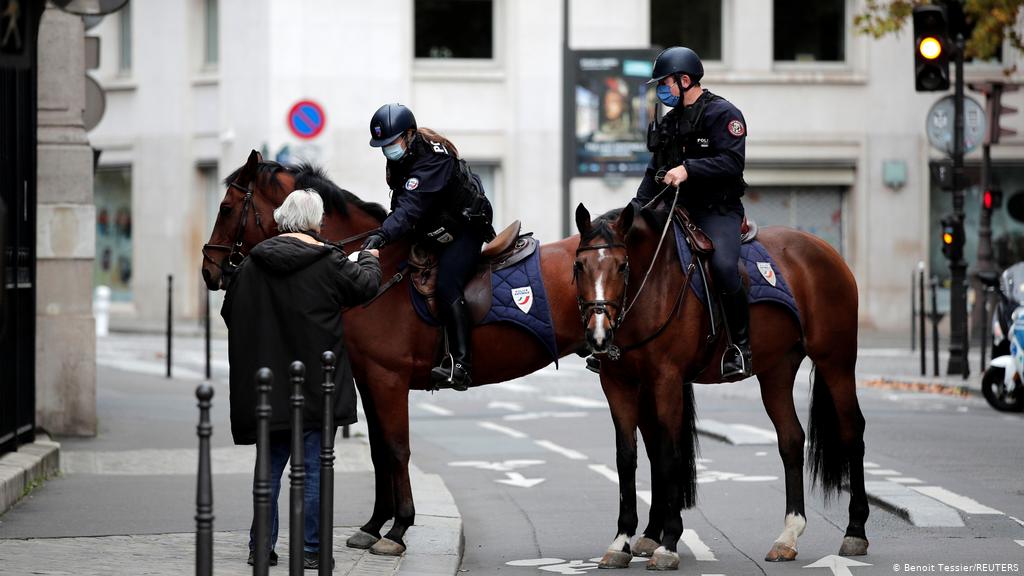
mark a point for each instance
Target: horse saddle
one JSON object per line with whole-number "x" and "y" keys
{"x": 699, "y": 242}
{"x": 507, "y": 249}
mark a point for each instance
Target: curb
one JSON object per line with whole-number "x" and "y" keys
{"x": 436, "y": 542}
{"x": 20, "y": 471}
{"x": 905, "y": 383}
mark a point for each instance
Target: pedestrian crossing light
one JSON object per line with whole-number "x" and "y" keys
{"x": 931, "y": 58}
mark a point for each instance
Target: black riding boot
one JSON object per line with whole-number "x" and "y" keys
{"x": 736, "y": 359}
{"x": 454, "y": 369}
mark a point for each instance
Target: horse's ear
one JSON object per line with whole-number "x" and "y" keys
{"x": 582, "y": 218}
{"x": 255, "y": 158}
{"x": 625, "y": 221}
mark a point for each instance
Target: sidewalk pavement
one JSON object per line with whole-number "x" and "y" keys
{"x": 886, "y": 361}
{"x": 124, "y": 503}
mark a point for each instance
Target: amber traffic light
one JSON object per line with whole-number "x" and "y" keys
{"x": 931, "y": 54}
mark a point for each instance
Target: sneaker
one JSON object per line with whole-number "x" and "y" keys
{"x": 311, "y": 560}
{"x": 252, "y": 558}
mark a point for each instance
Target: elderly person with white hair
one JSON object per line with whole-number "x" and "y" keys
{"x": 284, "y": 304}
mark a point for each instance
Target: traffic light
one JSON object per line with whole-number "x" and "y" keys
{"x": 931, "y": 48}
{"x": 992, "y": 199}
{"x": 995, "y": 110}
{"x": 952, "y": 238}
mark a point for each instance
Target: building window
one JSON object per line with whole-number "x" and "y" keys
{"x": 124, "y": 20}
{"x": 696, "y": 24}
{"x": 810, "y": 30}
{"x": 211, "y": 53}
{"x": 113, "y": 199}
{"x": 454, "y": 29}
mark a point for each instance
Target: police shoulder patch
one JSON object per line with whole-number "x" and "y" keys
{"x": 412, "y": 183}
{"x": 736, "y": 128}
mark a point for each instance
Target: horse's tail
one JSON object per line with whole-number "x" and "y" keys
{"x": 830, "y": 464}
{"x": 690, "y": 447}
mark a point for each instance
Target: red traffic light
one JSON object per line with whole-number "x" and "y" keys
{"x": 986, "y": 200}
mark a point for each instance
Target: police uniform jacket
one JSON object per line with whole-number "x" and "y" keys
{"x": 709, "y": 138}
{"x": 430, "y": 190}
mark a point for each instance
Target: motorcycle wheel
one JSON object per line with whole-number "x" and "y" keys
{"x": 994, "y": 390}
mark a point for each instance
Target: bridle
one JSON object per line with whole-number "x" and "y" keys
{"x": 589, "y": 308}
{"x": 235, "y": 254}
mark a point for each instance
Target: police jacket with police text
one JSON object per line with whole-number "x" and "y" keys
{"x": 430, "y": 189}
{"x": 709, "y": 138}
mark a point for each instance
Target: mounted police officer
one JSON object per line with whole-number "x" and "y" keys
{"x": 699, "y": 147}
{"x": 438, "y": 201}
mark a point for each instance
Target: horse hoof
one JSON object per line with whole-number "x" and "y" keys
{"x": 781, "y": 553}
{"x": 663, "y": 560}
{"x": 361, "y": 540}
{"x": 853, "y": 546}
{"x": 386, "y": 547}
{"x": 615, "y": 559}
{"x": 644, "y": 547}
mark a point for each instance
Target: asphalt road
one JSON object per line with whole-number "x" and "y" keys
{"x": 531, "y": 464}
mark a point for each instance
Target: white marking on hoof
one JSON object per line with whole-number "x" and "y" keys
{"x": 795, "y": 525}
{"x": 662, "y": 559}
{"x": 619, "y": 543}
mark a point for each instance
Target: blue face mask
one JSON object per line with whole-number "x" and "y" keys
{"x": 394, "y": 152}
{"x": 666, "y": 97}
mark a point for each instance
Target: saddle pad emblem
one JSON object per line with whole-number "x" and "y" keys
{"x": 766, "y": 270}
{"x": 523, "y": 297}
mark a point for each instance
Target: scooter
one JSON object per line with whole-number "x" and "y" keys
{"x": 1003, "y": 381}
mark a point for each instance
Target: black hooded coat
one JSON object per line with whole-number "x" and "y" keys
{"x": 284, "y": 304}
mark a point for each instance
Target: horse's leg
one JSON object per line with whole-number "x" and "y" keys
{"x": 834, "y": 397}
{"x": 672, "y": 399}
{"x": 777, "y": 396}
{"x": 649, "y": 542}
{"x": 623, "y": 401}
{"x": 393, "y": 398}
{"x": 384, "y": 498}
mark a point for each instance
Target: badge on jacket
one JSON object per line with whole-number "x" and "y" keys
{"x": 412, "y": 183}
{"x": 736, "y": 128}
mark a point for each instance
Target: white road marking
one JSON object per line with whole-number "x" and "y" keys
{"x": 517, "y": 479}
{"x": 538, "y": 415}
{"x": 645, "y": 496}
{"x": 760, "y": 453}
{"x": 918, "y": 509}
{"x": 755, "y": 430}
{"x": 870, "y": 465}
{"x": 735, "y": 434}
{"x": 501, "y": 429}
{"x": 904, "y": 480}
{"x": 968, "y": 505}
{"x": 700, "y": 550}
{"x": 606, "y": 472}
{"x": 755, "y": 479}
{"x": 1017, "y": 520}
{"x": 510, "y": 406}
{"x": 505, "y": 466}
{"x": 516, "y": 387}
{"x": 535, "y": 562}
{"x": 839, "y": 565}
{"x": 1021, "y": 542}
{"x": 578, "y": 401}
{"x": 882, "y": 472}
{"x": 435, "y": 409}
{"x": 568, "y": 453}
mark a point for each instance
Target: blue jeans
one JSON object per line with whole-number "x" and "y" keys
{"x": 280, "y": 450}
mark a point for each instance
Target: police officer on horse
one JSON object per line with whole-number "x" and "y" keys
{"x": 440, "y": 203}
{"x": 699, "y": 147}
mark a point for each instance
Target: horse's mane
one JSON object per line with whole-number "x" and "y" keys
{"x": 308, "y": 175}
{"x": 602, "y": 225}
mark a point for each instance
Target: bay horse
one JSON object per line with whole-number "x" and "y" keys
{"x": 391, "y": 350}
{"x": 623, "y": 266}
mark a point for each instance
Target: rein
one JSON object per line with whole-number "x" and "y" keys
{"x": 235, "y": 254}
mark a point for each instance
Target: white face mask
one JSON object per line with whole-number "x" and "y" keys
{"x": 394, "y": 152}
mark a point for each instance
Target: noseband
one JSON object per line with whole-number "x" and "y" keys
{"x": 589, "y": 308}
{"x": 235, "y": 255}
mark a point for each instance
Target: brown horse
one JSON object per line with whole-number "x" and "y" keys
{"x": 632, "y": 289}
{"x": 391, "y": 349}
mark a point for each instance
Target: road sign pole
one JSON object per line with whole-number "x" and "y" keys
{"x": 958, "y": 343}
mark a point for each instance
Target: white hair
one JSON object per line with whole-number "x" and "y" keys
{"x": 302, "y": 210}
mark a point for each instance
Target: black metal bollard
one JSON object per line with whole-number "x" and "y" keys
{"x": 913, "y": 311}
{"x": 327, "y": 468}
{"x": 261, "y": 487}
{"x": 298, "y": 474}
{"x": 936, "y": 318}
{"x": 204, "y": 486}
{"x": 170, "y": 319}
{"x": 923, "y": 314}
{"x": 207, "y": 333}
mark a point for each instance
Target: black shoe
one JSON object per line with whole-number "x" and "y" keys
{"x": 252, "y": 558}
{"x": 594, "y": 364}
{"x": 454, "y": 373}
{"x": 311, "y": 560}
{"x": 736, "y": 358}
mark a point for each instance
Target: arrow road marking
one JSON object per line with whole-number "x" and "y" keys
{"x": 839, "y": 565}
{"x": 517, "y": 479}
{"x": 506, "y": 466}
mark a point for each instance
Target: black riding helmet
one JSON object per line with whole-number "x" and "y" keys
{"x": 677, "y": 60}
{"x": 388, "y": 123}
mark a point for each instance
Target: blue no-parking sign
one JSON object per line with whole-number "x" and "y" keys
{"x": 306, "y": 119}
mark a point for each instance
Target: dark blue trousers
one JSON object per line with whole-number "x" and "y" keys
{"x": 722, "y": 225}
{"x": 456, "y": 265}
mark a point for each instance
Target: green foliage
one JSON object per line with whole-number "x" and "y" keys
{"x": 993, "y": 21}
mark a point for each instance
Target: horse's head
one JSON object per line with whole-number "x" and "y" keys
{"x": 246, "y": 216}
{"x": 601, "y": 273}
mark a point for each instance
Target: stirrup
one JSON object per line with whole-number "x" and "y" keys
{"x": 442, "y": 377}
{"x": 744, "y": 370}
